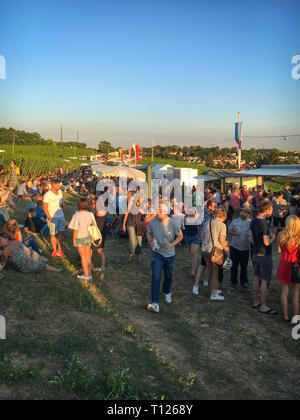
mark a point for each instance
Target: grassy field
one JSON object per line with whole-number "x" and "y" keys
{"x": 36, "y": 159}
{"x": 70, "y": 340}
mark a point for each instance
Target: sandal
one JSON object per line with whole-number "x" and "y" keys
{"x": 269, "y": 312}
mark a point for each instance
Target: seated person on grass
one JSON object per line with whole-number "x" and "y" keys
{"x": 13, "y": 229}
{"x": 22, "y": 191}
{"x": 20, "y": 257}
{"x": 40, "y": 220}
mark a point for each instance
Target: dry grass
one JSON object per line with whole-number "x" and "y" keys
{"x": 192, "y": 349}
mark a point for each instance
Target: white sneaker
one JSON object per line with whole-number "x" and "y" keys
{"x": 82, "y": 277}
{"x": 153, "y": 307}
{"x": 168, "y": 298}
{"x": 217, "y": 297}
{"x": 219, "y": 292}
{"x": 205, "y": 283}
{"x": 196, "y": 290}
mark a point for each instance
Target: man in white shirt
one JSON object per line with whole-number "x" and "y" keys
{"x": 53, "y": 204}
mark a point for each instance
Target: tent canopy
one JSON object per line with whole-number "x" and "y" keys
{"x": 118, "y": 171}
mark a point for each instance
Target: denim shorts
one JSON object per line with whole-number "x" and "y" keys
{"x": 192, "y": 240}
{"x": 83, "y": 242}
{"x": 263, "y": 267}
{"x": 57, "y": 225}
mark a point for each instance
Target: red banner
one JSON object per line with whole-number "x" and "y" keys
{"x": 137, "y": 153}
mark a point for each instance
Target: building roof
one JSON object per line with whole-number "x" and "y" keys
{"x": 287, "y": 171}
{"x": 226, "y": 173}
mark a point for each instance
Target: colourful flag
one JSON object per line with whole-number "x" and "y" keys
{"x": 238, "y": 134}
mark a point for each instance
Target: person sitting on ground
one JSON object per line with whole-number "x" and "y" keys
{"x": 5, "y": 201}
{"x": 13, "y": 229}
{"x": 22, "y": 259}
{"x": 30, "y": 226}
{"x": 21, "y": 190}
{"x": 40, "y": 219}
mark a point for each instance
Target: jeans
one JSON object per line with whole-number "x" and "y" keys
{"x": 239, "y": 258}
{"x": 45, "y": 230}
{"x": 31, "y": 242}
{"x": 135, "y": 241}
{"x": 161, "y": 264}
{"x": 214, "y": 272}
{"x": 4, "y": 215}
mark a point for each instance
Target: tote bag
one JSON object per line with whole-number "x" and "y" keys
{"x": 94, "y": 232}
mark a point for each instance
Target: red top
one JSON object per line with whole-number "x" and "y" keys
{"x": 288, "y": 256}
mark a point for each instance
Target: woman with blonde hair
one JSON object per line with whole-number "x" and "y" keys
{"x": 288, "y": 246}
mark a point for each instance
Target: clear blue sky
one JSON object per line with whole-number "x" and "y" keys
{"x": 127, "y": 70}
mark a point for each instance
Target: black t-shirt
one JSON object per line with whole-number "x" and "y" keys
{"x": 259, "y": 229}
{"x": 29, "y": 223}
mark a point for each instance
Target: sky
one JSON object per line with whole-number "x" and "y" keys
{"x": 126, "y": 71}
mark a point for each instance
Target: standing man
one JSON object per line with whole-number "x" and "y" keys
{"x": 280, "y": 210}
{"x": 163, "y": 235}
{"x": 262, "y": 240}
{"x": 235, "y": 202}
{"x": 53, "y": 207}
{"x": 239, "y": 249}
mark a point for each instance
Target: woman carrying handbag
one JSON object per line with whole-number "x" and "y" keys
{"x": 288, "y": 272}
{"x": 214, "y": 248}
{"x": 85, "y": 232}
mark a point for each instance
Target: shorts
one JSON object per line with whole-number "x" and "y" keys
{"x": 57, "y": 225}
{"x": 263, "y": 267}
{"x": 192, "y": 240}
{"x": 203, "y": 262}
{"x": 101, "y": 223}
{"x": 279, "y": 221}
{"x": 83, "y": 242}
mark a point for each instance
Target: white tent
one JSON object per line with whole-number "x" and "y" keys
{"x": 118, "y": 171}
{"x": 158, "y": 171}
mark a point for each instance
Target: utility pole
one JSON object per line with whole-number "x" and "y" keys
{"x": 61, "y": 134}
{"x": 13, "y": 144}
{"x": 153, "y": 149}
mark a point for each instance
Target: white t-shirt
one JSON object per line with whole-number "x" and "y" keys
{"x": 80, "y": 222}
{"x": 100, "y": 206}
{"x": 54, "y": 203}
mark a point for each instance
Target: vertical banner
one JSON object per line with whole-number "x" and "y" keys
{"x": 122, "y": 156}
{"x": 130, "y": 156}
{"x": 239, "y": 134}
{"x": 137, "y": 153}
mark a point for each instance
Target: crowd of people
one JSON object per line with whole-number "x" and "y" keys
{"x": 234, "y": 229}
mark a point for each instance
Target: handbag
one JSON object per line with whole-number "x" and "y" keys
{"x": 94, "y": 232}
{"x": 217, "y": 255}
{"x": 295, "y": 278}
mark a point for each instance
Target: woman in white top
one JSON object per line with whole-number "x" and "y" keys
{"x": 81, "y": 238}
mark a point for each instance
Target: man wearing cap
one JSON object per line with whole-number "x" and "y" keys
{"x": 239, "y": 248}
{"x": 163, "y": 235}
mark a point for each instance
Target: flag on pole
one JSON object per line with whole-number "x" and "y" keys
{"x": 239, "y": 134}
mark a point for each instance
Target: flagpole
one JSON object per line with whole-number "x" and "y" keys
{"x": 239, "y": 147}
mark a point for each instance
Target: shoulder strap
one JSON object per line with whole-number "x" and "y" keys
{"x": 93, "y": 219}
{"x": 212, "y": 238}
